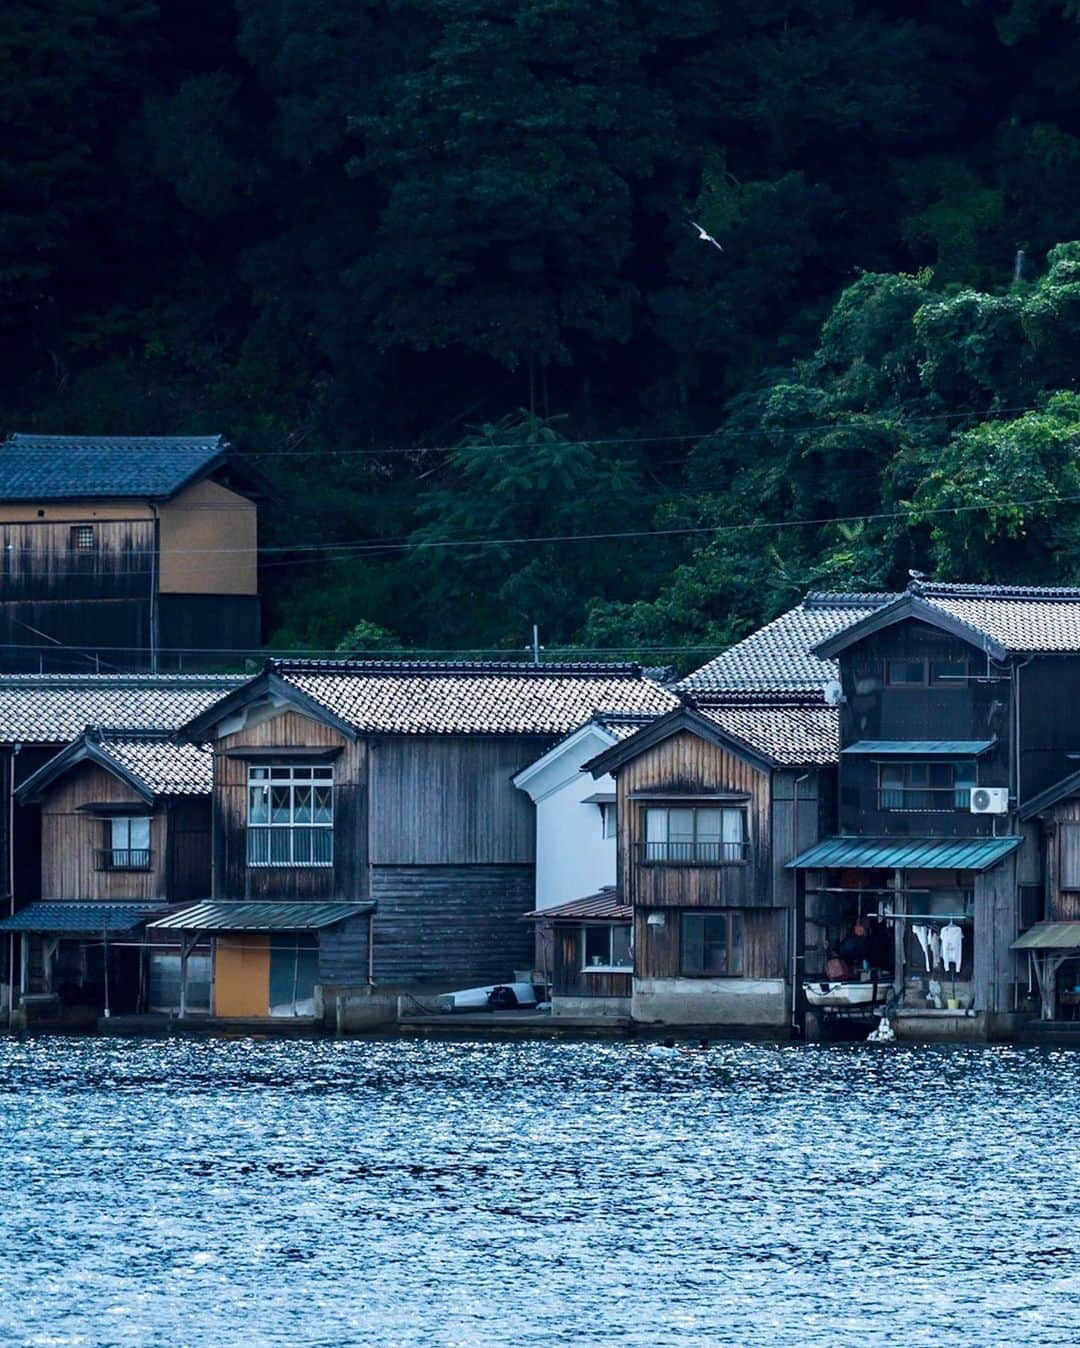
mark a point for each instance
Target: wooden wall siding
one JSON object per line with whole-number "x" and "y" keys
{"x": 567, "y": 978}
{"x": 1060, "y": 833}
{"x": 343, "y": 953}
{"x": 69, "y": 840}
{"x": 797, "y": 810}
{"x": 38, "y": 562}
{"x": 685, "y": 763}
{"x": 976, "y": 710}
{"x": 451, "y": 926}
{"x": 995, "y": 929}
{"x": 449, "y": 800}
{"x": 233, "y": 878}
{"x": 120, "y": 628}
{"x": 657, "y": 950}
{"x": 205, "y": 623}
{"x": 187, "y": 859}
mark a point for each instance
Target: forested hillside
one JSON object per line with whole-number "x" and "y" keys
{"x": 430, "y": 263}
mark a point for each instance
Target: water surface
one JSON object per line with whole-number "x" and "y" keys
{"x": 399, "y": 1193}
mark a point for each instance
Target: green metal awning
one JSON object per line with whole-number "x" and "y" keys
{"x": 1050, "y": 936}
{"x": 241, "y": 915}
{"x": 74, "y": 917}
{"x": 905, "y": 854}
{"x": 919, "y": 748}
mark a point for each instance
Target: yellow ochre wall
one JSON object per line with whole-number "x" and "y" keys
{"x": 242, "y": 975}
{"x": 209, "y": 542}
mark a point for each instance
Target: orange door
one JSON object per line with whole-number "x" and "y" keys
{"x": 242, "y": 975}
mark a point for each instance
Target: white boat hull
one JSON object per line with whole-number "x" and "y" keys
{"x": 825, "y": 993}
{"x": 476, "y": 999}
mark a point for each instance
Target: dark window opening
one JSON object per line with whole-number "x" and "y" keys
{"x": 711, "y": 944}
{"x": 127, "y": 844}
{"x": 606, "y": 948}
{"x": 925, "y": 786}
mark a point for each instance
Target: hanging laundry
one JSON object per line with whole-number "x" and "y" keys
{"x": 935, "y": 948}
{"x": 952, "y": 947}
{"x": 922, "y": 935}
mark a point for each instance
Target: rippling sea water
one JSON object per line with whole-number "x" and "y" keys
{"x": 401, "y": 1193}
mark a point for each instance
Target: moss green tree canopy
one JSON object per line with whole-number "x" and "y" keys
{"x": 355, "y": 234}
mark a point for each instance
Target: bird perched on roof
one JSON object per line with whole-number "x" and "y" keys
{"x": 705, "y": 236}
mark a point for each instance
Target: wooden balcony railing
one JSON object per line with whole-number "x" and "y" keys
{"x": 122, "y": 858}
{"x": 698, "y": 853}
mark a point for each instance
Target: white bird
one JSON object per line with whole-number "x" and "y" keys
{"x": 705, "y": 236}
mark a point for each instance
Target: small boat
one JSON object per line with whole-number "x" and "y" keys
{"x": 825, "y": 993}
{"x": 482, "y": 999}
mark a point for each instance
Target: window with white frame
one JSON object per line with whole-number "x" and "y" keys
{"x": 290, "y": 816}
{"x": 608, "y": 819}
{"x": 604, "y": 948}
{"x": 695, "y": 837}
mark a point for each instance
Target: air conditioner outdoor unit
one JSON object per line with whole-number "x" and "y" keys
{"x": 990, "y": 800}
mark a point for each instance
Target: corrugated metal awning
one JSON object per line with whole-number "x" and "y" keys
{"x": 919, "y": 748}
{"x": 76, "y": 917}
{"x": 905, "y": 854}
{"x": 1050, "y": 936}
{"x": 607, "y": 904}
{"x": 241, "y": 915}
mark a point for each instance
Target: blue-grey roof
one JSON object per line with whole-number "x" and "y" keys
{"x": 919, "y": 748}
{"x": 244, "y": 915}
{"x": 85, "y": 467}
{"x": 905, "y": 854}
{"x": 71, "y": 915}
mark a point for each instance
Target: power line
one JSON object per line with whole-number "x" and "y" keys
{"x": 391, "y": 450}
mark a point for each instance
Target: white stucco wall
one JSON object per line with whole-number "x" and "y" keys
{"x": 573, "y": 858}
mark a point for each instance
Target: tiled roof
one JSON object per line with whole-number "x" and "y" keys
{"x": 164, "y": 766}
{"x": 55, "y": 709}
{"x": 1020, "y": 618}
{"x": 778, "y": 655}
{"x": 623, "y": 724}
{"x": 789, "y": 735}
{"x": 605, "y": 904}
{"x": 74, "y": 467}
{"x": 488, "y": 698}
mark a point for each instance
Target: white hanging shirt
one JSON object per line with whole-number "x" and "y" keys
{"x": 952, "y": 946}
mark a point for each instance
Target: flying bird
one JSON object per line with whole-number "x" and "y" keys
{"x": 704, "y": 235}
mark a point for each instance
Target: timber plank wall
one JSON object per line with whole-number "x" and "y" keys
{"x": 451, "y": 925}
{"x": 233, "y": 877}
{"x": 657, "y": 950}
{"x": 686, "y": 764}
{"x": 69, "y": 838}
{"x": 569, "y": 979}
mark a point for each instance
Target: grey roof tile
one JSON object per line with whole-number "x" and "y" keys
{"x": 485, "y": 698}
{"x": 777, "y": 656}
{"x": 1020, "y": 618}
{"x": 79, "y": 467}
{"x": 55, "y": 709}
{"x": 166, "y": 767}
{"x": 795, "y": 735}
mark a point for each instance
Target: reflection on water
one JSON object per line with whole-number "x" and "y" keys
{"x": 471, "y": 1193}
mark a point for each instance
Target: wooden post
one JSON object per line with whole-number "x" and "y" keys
{"x": 105, "y": 961}
{"x": 183, "y": 976}
{"x": 24, "y": 962}
{"x": 899, "y": 935}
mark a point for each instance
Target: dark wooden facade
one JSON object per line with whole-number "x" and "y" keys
{"x": 74, "y": 820}
{"x": 975, "y": 708}
{"x": 129, "y": 584}
{"x": 787, "y": 810}
{"x": 428, "y": 827}
{"x": 295, "y": 738}
{"x": 571, "y": 979}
